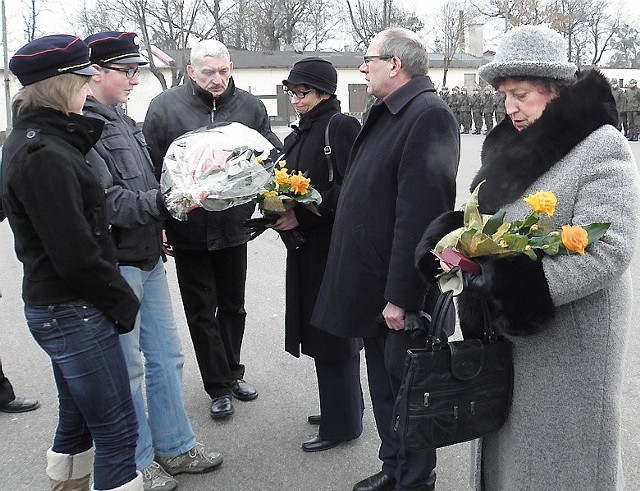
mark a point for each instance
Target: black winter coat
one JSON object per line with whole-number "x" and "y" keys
{"x": 134, "y": 202}
{"x": 186, "y": 108}
{"x": 55, "y": 204}
{"x": 304, "y": 151}
{"x": 401, "y": 176}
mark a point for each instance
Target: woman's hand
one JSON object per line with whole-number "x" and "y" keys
{"x": 286, "y": 221}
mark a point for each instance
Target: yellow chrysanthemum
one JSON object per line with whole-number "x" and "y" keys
{"x": 574, "y": 238}
{"x": 299, "y": 184}
{"x": 542, "y": 202}
{"x": 281, "y": 177}
{"x": 270, "y": 194}
{"x": 282, "y": 163}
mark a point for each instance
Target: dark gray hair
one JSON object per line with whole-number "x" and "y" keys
{"x": 406, "y": 45}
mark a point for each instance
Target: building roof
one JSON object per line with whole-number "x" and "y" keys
{"x": 339, "y": 59}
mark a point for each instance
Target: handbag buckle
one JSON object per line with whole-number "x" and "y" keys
{"x": 425, "y": 399}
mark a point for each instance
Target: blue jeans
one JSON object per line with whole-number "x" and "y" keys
{"x": 167, "y": 430}
{"x": 93, "y": 390}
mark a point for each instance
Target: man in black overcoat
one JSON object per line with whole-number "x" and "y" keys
{"x": 401, "y": 176}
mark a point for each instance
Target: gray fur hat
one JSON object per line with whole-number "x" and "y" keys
{"x": 535, "y": 51}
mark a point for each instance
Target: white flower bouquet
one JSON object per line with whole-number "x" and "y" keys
{"x": 215, "y": 167}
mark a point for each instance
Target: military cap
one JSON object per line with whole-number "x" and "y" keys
{"x": 614, "y": 81}
{"x": 115, "y": 47}
{"x": 49, "y": 56}
{"x": 633, "y": 81}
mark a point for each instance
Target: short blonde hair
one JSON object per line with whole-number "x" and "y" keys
{"x": 54, "y": 92}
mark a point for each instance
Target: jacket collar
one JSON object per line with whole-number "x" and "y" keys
{"x": 399, "y": 98}
{"x": 82, "y": 132}
{"x": 109, "y": 113}
{"x": 512, "y": 160}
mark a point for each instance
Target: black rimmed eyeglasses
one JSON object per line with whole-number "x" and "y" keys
{"x": 300, "y": 94}
{"x": 128, "y": 72}
{"x": 369, "y": 58}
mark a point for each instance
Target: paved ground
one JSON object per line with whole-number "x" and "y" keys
{"x": 261, "y": 441}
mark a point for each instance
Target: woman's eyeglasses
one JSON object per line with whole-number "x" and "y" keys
{"x": 128, "y": 72}
{"x": 300, "y": 94}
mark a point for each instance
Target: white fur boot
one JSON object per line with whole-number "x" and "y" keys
{"x": 69, "y": 472}
{"x": 136, "y": 484}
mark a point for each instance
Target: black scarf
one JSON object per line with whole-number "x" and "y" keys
{"x": 512, "y": 160}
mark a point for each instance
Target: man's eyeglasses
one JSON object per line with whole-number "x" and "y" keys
{"x": 369, "y": 58}
{"x": 128, "y": 72}
{"x": 300, "y": 94}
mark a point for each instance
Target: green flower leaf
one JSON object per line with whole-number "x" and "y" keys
{"x": 595, "y": 231}
{"x": 494, "y": 222}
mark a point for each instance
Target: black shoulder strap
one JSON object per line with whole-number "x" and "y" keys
{"x": 327, "y": 148}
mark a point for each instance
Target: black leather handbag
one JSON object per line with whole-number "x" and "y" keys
{"x": 454, "y": 391}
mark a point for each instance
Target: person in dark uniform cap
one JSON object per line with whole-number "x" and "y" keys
{"x": 76, "y": 301}
{"x": 136, "y": 212}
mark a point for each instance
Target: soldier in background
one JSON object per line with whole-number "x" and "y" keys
{"x": 633, "y": 110}
{"x": 618, "y": 96}
{"x": 475, "y": 101}
{"x": 444, "y": 95}
{"x": 498, "y": 107}
{"x": 454, "y": 103}
{"x": 465, "y": 111}
{"x": 487, "y": 108}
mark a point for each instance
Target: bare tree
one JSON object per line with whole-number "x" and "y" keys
{"x": 451, "y": 22}
{"x": 369, "y": 17}
{"x": 30, "y": 17}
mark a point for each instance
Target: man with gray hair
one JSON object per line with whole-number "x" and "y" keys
{"x": 401, "y": 175}
{"x": 211, "y": 247}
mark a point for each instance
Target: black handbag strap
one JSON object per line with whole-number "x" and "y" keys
{"x": 327, "y": 148}
{"x": 439, "y": 318}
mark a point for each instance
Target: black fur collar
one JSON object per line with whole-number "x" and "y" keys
{"x": 512, "y": 160}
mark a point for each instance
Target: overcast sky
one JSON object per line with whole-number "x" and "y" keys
{"x": 57, "y": 16}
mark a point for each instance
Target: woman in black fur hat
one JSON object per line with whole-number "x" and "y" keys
{"x": 567, "y": 315}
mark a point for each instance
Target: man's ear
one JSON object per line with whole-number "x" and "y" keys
{"x": 190, "y": 71}
{"x": 96, "y": 78}
{"x": 397, "y": 65}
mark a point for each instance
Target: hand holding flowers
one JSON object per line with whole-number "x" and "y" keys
{"x": 487, "y": 235}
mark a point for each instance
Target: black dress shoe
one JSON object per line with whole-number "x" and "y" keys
{"x": 243, "y": 391}
{"x": 314, "y": 419}
{"x": 221, "y": 407}
{"x": 377, "y": 482}
{"x": 318, "y": 445}
{"x": 20, "y": 405}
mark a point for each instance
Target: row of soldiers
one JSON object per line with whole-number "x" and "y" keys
{"x": 476, "y": 108}
{"x": 628, "y": 103}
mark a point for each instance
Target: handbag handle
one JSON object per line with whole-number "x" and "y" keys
{"x": 437, "y": 327}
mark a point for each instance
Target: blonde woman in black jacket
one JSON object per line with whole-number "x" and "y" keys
{"x": 76, "y": 302}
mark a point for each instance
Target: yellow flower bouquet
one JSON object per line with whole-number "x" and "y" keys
{"x": 487, "y": 235}
{"x": 287, "y": 189}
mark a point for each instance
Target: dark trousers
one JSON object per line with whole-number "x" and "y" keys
{"x": 341, "y": 403}
{"x": 6, "y": 390}
{"x": 412, "y": 469}
{"x": 212, "y": 285}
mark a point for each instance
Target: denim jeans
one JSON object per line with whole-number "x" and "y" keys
{"x": 93, "y": 390}
{"x": 167, "y": 430}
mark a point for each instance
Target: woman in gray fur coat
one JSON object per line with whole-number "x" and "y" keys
{"x": 566, "y": 315}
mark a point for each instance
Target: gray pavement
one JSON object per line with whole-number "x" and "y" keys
{"x": 261, "y": 441}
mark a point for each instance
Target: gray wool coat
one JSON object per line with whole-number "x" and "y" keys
{"x": 563, "y": 430}
{"x": 566, "y": 315}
